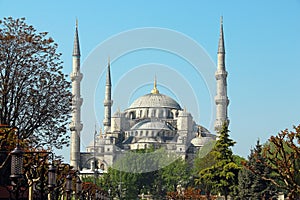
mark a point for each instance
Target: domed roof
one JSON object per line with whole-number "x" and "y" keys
{"x": 200, "y": 141}
{"x": 151, "y": 125}
{"x": 156, "y": 100}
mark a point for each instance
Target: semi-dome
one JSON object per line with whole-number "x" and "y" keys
{"x": 151, "y": 125}
{"x": 155, "y": 101}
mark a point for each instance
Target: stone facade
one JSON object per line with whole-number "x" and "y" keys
{"x": 154, "y": 120}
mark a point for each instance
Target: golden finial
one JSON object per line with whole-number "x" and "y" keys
{"x": 154, "y": 90}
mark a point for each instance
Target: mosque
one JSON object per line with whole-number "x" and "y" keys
{"x": 153, "y": 120}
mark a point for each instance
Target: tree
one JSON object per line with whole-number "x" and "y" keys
{"x": 143, "y": 171}
{"x": 174, "y": 174}
{"x": 134, "y": 172}
{"x": 8, "y": 141}
{"x": 223, "y": 175}
{"x": 283, "y": 158}
{"x": 251, "y": 184}
{"x": 200, "y": 164}
{"x": 245, "y": 179}
{"x": 34, "y": 93}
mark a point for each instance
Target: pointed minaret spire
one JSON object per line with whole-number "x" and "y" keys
{"x": 108, "y": 79}
{"x": 76, "y": 125}
{"x": 76, "y": 49}
{"x": 107, "y": 101}
{"x": 221, "y": 98}
{"x": 221, "y": 48}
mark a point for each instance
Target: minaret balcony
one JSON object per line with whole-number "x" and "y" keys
{"x": 76, "y": 102}
{"x": 219, "y": 123}
{"x": 221, "y": 100}
{"x": 76, "y": 76}
{"x": 106, "y": 122}
{"x": 75, "y": 126}
{"x": 221, "y": 74}
{"x": 108, "y": 102}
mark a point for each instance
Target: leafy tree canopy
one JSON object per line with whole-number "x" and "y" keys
{"x": 282, "y": 155}
{"x": 34, "y": 92}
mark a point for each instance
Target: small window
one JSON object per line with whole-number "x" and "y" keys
{"x": 102, "y": 166}
{"x": 141, "y": 113}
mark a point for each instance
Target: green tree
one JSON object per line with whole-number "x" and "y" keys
{"x": 134, "y": 172}
{"x": 144, "y": 171}
{"x": 252, "y": 185}
{"x": 201, "y": 163}
{"x": 245, "y": 181}
{"x": 282, "y": 156}
{"x": 223, "y": 175}
{"x": 174, "y": 174}
{"x": 34, "y": 93}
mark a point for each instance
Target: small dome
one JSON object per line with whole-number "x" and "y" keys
{"x": 151, "y": 125}
{"x": 200, "y": 141}
{"x": 155, "y": 100}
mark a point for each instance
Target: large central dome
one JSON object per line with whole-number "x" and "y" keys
{"x": 155, "y": 101}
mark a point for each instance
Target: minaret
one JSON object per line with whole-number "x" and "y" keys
{"x": 107, "y": 100}
{"x": 221, "y": 98}
{"x": 76, "y": 125}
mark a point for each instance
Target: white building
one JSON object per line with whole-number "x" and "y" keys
{"x": 154, "y": 120}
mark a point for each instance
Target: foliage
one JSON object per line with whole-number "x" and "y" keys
{"x": 174, "y": 174}
{"x": 245, "y": 179}
{"x": 251, "y": 183}
{"x": 8, "y": 142}
{"x": 36, "y": 163}
{"x": 204, "y": 158}
{"x": 202, "y": 163}
{"x": 34, "y": 93}
{"x": 223, "y": 175}
{"x": 239, "y": 160}
{"x": 188, "y": 193}
{"x": 133, "y": 173}
{"x": 119, "y": 183}
{"x": 92, "y": 191}
{"x": 283, "y": 158}
{"x": 142, "y": 171}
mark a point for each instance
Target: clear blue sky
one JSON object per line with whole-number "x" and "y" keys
{"x": 262, "y": 56}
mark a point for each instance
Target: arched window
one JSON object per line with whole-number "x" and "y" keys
{"x": 171, "y": 115}
{"x": 132, "y": 115}
{"x": 141, "y": 113}
{"x": 102, "y": 166}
